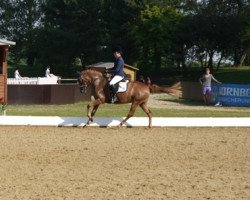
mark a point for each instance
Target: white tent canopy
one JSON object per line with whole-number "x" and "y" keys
{"x": 6, "y": 42}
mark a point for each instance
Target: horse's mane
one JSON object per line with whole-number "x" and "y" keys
{"x": 92, "y": 71}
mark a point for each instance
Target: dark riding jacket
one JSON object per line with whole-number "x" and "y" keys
{"x": 118, "y": 67}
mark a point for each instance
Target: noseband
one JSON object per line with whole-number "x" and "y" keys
{"x": 84, "y": 84}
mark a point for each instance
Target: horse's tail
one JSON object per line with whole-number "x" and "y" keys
{"x": 174, "y": 90}
{"x": 176, "y": 86}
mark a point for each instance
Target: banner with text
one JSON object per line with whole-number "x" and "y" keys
{"x": 231, "y": 94}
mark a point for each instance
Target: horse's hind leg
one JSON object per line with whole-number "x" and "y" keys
{"x": 131, "y": 112}
{"x": 148, "y": 112}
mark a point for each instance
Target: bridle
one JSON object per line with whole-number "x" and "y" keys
{"x": 84, "y": 84}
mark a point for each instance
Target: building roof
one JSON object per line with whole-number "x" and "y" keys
{"x": 6, "y": 42}
{"x": 108, "y": 65}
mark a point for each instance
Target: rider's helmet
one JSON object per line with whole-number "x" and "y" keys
{"x": 117, "y": 49}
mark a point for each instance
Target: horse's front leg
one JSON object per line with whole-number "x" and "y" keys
{"x": 91, "y": 109}
{"x": 94, "y": 110}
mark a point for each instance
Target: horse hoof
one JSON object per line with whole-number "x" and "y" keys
{"x": 88, "y": 122}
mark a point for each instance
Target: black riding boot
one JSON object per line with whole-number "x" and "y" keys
{"x": 112, "y": 89}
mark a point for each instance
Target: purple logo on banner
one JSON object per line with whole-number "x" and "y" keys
{"x": 231, "y": 94}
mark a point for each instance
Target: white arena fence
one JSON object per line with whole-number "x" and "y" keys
{"x": 132, "y": 122}
{"x": 33, "y": 81}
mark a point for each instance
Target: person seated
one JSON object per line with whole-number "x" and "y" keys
{"x": 117, "y": 72}
{"x": 17, "y": 74}
{"x": 48, "y": 74}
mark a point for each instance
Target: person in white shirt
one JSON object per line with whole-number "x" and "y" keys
{"x": 48, "y": 74}
{"x": 17, "y": 74}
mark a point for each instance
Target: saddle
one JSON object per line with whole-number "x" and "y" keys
{"x": 122, "y": 85}
{"x": 119, "y": 87}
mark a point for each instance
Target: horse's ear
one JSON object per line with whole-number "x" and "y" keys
{"x": 78, "y": 74}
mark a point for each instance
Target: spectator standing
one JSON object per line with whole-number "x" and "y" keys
{"x": 205, "y": 81}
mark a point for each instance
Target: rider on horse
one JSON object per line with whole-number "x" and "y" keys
{"x": 117, "y": 72}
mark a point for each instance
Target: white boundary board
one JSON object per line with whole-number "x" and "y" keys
{"x": 132, "y": 122}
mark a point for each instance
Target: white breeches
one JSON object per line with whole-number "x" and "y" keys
{"x": 115, "y": 80}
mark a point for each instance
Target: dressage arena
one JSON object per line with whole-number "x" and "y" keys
{"x": 48, "y": 162}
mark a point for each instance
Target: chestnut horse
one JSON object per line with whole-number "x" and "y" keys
{"x": 137, "y": 94}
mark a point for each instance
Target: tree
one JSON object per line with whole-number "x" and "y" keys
{"x": 71, "y": 29}
{"x": 20, "y": 21}
{"x": 157, "y": 34}
{"x": 216, "y": 27}
{"x": 120, "y": 17}
{"x": 245, "y": 35}
{"x": 153, "y": 33}
{"x": 245, "y": 39}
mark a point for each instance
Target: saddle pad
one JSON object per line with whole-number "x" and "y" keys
{"x": 122, "y": 86}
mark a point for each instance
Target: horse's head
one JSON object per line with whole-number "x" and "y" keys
{"x": 89, "y": 77}
{"x": 83, "y": 80}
